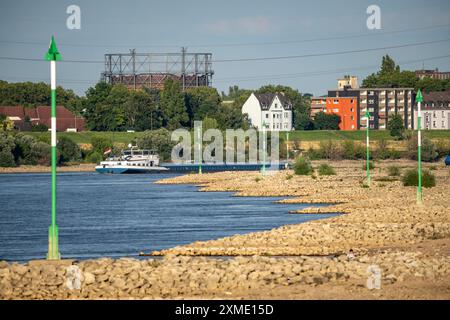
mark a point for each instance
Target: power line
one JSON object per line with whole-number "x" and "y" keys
{"x": 243, "y": 44}
{"x": 322, "y": 72}
{"x": 267, "y": 76}
{"x": 262, "y": 58}
{"x": 331, "y": 53}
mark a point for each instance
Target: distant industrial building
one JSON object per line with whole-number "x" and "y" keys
{"x": 434, "y": 74}
{"x": 347, "y": 109}
{"x": 381, "y": 104}
{"x": 24, "y": 118}
{"x": 151, "y": 70}
{"x": 435, "y": 111}
{"x": 272, "y": 109}
{"x": 318, "y": 104}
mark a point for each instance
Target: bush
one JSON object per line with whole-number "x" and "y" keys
{"x": 39, "y": 128}
{"x": 68, "y": 150}
{"x": 326, "y": 170}
{"x": 94, "y": 157}
{"x": 330, "y": 150}
{"x": 395, "y": 126}
{"x": 393, "y": 171}
{"x": 100, "y": 144}
{"x": 41, "y": 153}
{"x": 6, "y": 158}
{"x": 314, "y": 154}
{"x": 302, "y": 166}
{"x": 371, "y": 165}
{"x": 411, "y": 178}
{"x": 429, "y": 151}
{"x": 352, "y": 150}
{"x": 22, "y": 149}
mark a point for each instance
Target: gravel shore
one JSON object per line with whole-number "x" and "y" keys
{"x": 404, "y": 245}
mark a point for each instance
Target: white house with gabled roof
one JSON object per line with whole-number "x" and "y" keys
{"x": 273, "y": 109}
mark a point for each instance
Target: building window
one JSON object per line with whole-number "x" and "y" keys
{"x": 434, "y": 124}
{"x": 274, "y": 115}
{"x": 276, "y": 105}
{"x": 351, "y": 101}
{"x": 351, "y": 109}
{"x": 267, "y": 116}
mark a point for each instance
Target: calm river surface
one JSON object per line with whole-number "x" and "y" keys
{"x": 121, "y": 215}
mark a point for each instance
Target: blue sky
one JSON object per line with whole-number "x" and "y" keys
{"x": 215, "y": 26}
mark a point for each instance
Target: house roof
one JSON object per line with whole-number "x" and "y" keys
{"x": 265, "y": 100}
{"x": 42, "y": 114}
{"x": 437, "y": 96}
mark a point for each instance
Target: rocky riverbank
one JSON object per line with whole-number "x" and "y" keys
{"x": 386, "y": 214}
{"x": 257, "y": 277}
{"x": 400, "y": 246}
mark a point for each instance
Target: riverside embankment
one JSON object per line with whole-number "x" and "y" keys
{"x": 406, "y": 245}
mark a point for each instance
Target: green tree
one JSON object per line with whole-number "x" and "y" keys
{"x": 395, "y": 126}
{"x": 324, "y": 121}
{"x": 172, "y": 105}
{"x": 158, "y": 140}
{"x": 201, "y": 102}
{"x": 209, "y": 123}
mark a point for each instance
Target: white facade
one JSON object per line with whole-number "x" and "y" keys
{"x": 434, "y": 119}
{"x": 269, "y": 109}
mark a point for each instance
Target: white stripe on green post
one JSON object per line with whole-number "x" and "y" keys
{"x": 419, "y": 100}
{"x": 53, "y": 55}
{"x": 367, "y": 148}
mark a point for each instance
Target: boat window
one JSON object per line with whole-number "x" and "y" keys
{"x": 145, "y": 152}
{"x": 151, "y": 163}
{"x": 126, "y": 153}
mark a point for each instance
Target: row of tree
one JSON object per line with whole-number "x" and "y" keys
{"x": 116, "y": 108}
{"x": 390, "y": 76}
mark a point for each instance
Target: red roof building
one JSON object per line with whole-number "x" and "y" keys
{"x": 65, "y": 119}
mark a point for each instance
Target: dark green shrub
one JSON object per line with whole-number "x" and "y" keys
{"x": 41, "y": 153}
{"x": 393, "y": 171}
{"x": 302, "y": 166}
{"x": 39, "y": 128}
{"x": 326, "y": 170}
{"x": 94, "y": 157}
{"x": 6, "y": 159}
{"x": 411, "y": 178}
{"x": 68, "y": 150}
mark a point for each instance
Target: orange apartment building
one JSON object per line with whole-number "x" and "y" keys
{"x": 347, "y": 109}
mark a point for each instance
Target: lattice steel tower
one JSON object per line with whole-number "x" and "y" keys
{"x": 137, "y": 70}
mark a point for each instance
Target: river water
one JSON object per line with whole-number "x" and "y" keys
{"x": 122, "y": 215}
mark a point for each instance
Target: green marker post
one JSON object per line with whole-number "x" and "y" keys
{"x": 200, "y": 149}
{"x": 53, "y": 55}
{"x": 287, "y": 146}
{"x": 419, "y": 100}
{"x": 367, "y": 148}
{"x": 263, "y": 168}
